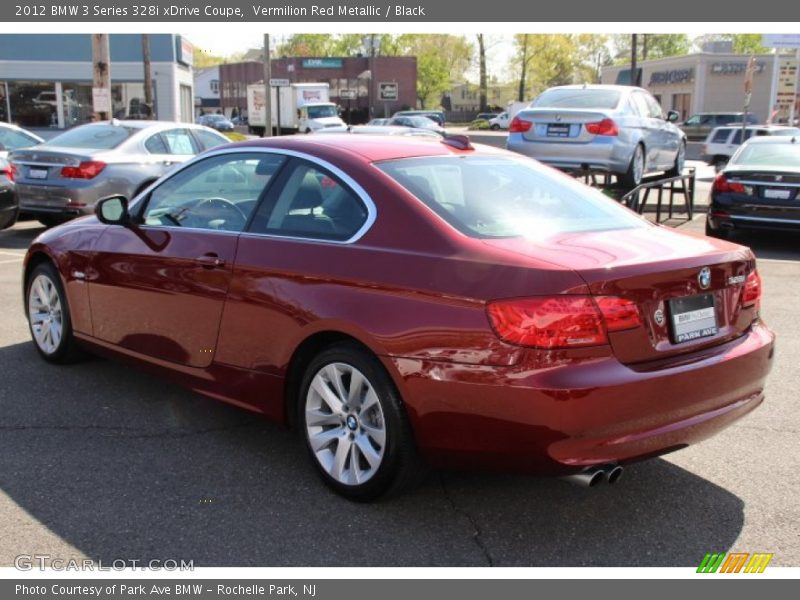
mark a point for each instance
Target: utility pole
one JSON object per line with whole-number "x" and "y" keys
{"x": 148, "y": 78}
{"x": 101, "y": 76}
{"x": 634, "y": 78}
{"x": 267, "y": 89}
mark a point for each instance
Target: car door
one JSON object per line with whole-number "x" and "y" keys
{"x": 290, "y": 263}
{"x": 171, "y": 147}
{"x": 157, "y": 287}
{"x": 650, "y": 131}
{"x": 667, "y": 136}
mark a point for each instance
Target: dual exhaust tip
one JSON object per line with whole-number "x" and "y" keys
{"x": 594, "y": 476}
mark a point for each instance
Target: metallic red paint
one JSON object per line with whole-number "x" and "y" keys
{"x": 414, "y": 291}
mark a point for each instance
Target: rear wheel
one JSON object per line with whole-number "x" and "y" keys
{"x": 633, "y": 176}
{"x": 48, "y": 316}
{"x": 354, "y": 425}
{"x": 494, "y": 127}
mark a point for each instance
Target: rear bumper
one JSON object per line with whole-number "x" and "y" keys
{"x": 57, "y": 200}
{"x": 602, "y": 154}
{"x": 568, "y": 416}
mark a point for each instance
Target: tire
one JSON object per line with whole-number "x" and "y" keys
{"x": 680, "y": 161}
{"x": 633, "y": 176}
{"x": 494, "y": 127}
{"x": 48, "y": 316}
{"x": 362, "y": 448}
{"x": 721, "y": 234}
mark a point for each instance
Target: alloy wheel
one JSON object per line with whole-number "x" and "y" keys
{"x": 44, "y": 312}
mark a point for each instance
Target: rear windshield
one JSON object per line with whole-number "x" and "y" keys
{"x": 771, "y": 155}
{"x": 502, "y": 196}
{"x": 577, "y": 98}
{"x": 98, "y": 137}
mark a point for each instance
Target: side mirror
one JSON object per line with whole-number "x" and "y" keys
{"x": 113, "y": 210}
{"x": 673, "y": 116}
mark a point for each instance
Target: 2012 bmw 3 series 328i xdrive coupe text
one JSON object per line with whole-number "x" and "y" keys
{"x": 411, "y": 301}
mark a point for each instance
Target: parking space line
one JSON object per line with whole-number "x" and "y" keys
{"x": 20, "y": 254}
{"x": 12, "y": 260}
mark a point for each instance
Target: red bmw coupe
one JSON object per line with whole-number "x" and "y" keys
{"x": 410, "y": 301}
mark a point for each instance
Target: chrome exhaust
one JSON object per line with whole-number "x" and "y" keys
{"x": 589, "y": 478}
{"x": 613, "y": 475}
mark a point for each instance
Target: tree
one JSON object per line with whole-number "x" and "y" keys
{"x": 651, "y": 46}
{"x": 743, "y": 43}
{"x": 442, "y": 59}
{"x": 307, "y": 44}
{"x": 594, "y": 54}
{"x": 546, "y": 60}
{"x": 484, "y": 92}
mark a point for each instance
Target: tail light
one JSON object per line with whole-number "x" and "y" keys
{"x": 751, "y": 296}
{"x": 604, "y": 127}
{"x": 561, "y": 321}
{"x": 8, "y": 169}
{"x": 518, "y": 125}
{"x": 721, "y": 184}
{"x": 88, "y": 169}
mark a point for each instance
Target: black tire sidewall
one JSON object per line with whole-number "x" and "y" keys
{"x": 398, "y": 439}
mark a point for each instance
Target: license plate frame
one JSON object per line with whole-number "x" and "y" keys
{"x": 37, "y": 173}
{"x": 777, "y": 193}
{"x": 692, "y": 318}
{"x": 559, "y": 130}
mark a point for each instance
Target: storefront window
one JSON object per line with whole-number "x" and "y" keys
{"x": 32, "y": 103}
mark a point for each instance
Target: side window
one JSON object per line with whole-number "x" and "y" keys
{"x": 155, "y": 145}
{"x": 312, "y": 204}
{"x": 209, "y": 139}
{"x": 218, "y": 193}
{"x": 721, "y": 136}
{"x": 179, "y": 141}
{"x": 640, "y": 104}
{"x": 737, "y": 137}
{"x": 653, "y": 107}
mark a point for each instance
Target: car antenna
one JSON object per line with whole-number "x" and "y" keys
{"x": 458, "y": 141}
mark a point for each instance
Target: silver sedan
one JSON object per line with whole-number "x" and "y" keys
{"x": 66, "y": 176}
{"x": 610, "y": 128}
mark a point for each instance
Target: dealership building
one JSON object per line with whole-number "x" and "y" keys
{"x": 46, "y": 79}
{"x": 714, "y": 82}
{"x": 364, "y": 77}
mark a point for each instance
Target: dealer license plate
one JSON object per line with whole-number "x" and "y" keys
{"x": 693, "y": 317}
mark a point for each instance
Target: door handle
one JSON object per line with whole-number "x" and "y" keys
{"x": 210, "y": 261}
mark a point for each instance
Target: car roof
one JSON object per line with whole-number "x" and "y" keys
{"x": 595, "y": 86}
{"x": 776, "y": 139}
{"x": 372, "y": 148}
{"x": 754, "y": 127}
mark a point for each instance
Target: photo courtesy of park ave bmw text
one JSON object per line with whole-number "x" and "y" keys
{"x": 345, "y": 299}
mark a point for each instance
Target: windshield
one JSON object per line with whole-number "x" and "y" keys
{"x": 577, "y": 98}
{"x": 768, "y": 155}
{"x": 485, "y": 196}
{"x": 216, "y": 118}
{"x": 320, "y": 112}
{"x": 102, "y": 136}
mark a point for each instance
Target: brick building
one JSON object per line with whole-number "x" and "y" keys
{"x": 360, "y": 73}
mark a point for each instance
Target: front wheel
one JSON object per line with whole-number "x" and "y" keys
{"x": 680, "y": 161}
{"x": 355, "y": 426}
{"x": 494, "y": 127}
{"x": 48, "y": 316}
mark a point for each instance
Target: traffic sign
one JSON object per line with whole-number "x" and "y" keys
{"x": 388, "y": 90}
{"x": 279, "y": 82}
{"x": 346, "y": 94}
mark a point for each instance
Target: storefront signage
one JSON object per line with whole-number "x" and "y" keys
{"x": 322, "y": 63}
{"x": 388, "y": 91}
{"x": 672, "y": 77}
{"x": 734, "y": 68}
{"x": 185, "y": 52}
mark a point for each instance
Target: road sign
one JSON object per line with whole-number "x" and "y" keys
{"x": 781, "y": 40}
{"x": 388, "y": 90}
{"x": 279, "y": 82}
{"x": 101, "y": 100}
{"x": 347, "y": 94}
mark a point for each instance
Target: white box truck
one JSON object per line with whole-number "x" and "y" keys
{"x": 304, "y": 107}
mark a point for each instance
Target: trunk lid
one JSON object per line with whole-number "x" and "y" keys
{"x": 653, "y": 267}
{"x": 560, "y": 125}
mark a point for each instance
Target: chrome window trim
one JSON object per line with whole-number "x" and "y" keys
{"x": 372, "y": 210}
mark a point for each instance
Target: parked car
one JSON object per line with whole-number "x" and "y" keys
{"x": 402, "y": 300}
{"x": 218, "y": 122}
{"x": 485, "y": 116}
{"x": 722, "y": 142}
{"x": 11, "y": 138}
{"x": 612, "y": 128}
{"x": 436, "y": 116}
{"x": 378, "y": 122}
{"x": 758, "y": 189}
{"x": 240, "y": 120}
{"x": 417, "y": 122}
{"x": 500, "y": 121}
{"x": 697, "y": 127}
{"x": 64, "y": 177}
{"x": 379, "y": 130}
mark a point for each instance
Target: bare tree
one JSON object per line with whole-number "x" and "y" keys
{"x": 484, "y": 92}
{"x": 524, "y": 59}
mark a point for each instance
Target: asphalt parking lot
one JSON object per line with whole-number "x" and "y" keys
{"x": 102, "y": 461}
